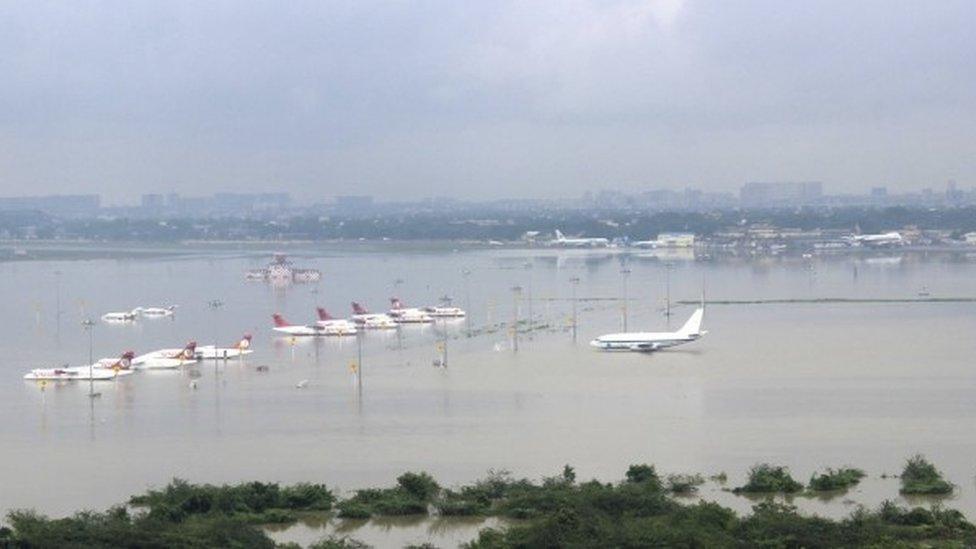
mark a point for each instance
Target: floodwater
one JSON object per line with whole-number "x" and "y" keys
{"x": 805, "y": 385}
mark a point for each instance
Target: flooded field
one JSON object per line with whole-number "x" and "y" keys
{"x": 807, "y": 385}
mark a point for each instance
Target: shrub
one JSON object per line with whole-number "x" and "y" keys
{"x": 766, "y": 478}
{"x": 921, "y": 477}
{"x": 839, "y": 479}
{"x": 684, "y": 484}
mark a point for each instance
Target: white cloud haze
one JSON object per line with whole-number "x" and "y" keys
{"x": 483, "y": 99}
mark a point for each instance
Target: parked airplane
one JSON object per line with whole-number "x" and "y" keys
{"x": 241, "y": 348}
{"x": 281, "y": 325}
{"x": 408, "y": 315}
{"x": 371, "y": 321}
{"x": 155, "y": 312}
{"x": 653, "y": 341}
{"x": 106, "y": 368}
{"x": 123, "y": 316}
{"x": 578, "y": 242}
{"x": 891, "y": 238}
{"x": 167, "y": 358}
{"x": 335, "y": 326}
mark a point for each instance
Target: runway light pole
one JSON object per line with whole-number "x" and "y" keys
{"x": 528, "y": 267}
{"x": 625, "y": 273}
{"x": 215, "y": 305}
{"x": 89, "y": 326}
{"x": 516, "y": 293}
{"x": 575, "y": 282}
{"x": 466, "y": 274}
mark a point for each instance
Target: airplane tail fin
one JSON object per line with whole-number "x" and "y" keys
{"x": 395, "y": 303}
{"x": 279, "y": 321}
{"x": 323, "y": 314}
{"x": 190, "y": 350}
{"x": 125, "y": 361}
{"x": 559, "y": 235}
{"x": 359, "y": 309}
{"x": 245, "y": 342}
{"x": 692, "y": 326}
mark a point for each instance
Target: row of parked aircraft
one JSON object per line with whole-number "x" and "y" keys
{"x": 362, "y": 319}
{"x": 134, "y": 314}
{"x": 110, "y": 368}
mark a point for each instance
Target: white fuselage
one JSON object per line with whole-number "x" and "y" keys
{"x": 211, "y": 352}
{"x": 338, "y": 327}
{"x": 300, "y": 330}
{"x": 653, "y": 341}
{"x": 155, "y": 312}
{"x": 162, "y": 359}
{"x": 411, "y": 315}
{"x": 446, "y": 312}
{"x": 119, "y": 317}
{"x": 85, "y": 373}
{"x": 374, "y": 321}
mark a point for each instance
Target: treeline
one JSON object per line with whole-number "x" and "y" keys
{"x": 467, "y": 225}
{"x": 642, "y": 510}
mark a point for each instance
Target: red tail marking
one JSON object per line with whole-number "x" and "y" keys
{"x": 323, "y": 314}
{"x": 280, "y": 321}
{"x": 359, "y": 309}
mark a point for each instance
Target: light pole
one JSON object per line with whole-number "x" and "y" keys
{"x": 89, "y": 326}
{"x": 215, "y": 305}
{"x": 625, "y": 273}
{"x": 465, "y": 274}
{"x": 528, "y": 267}
{"x": 575, "y": 282}
{"x": 57, "y": 314}
{"x": 516, "y": 293}
{"x": 667, "y": 291}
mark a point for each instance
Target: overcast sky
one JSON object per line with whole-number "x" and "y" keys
{"x": 483, "y": 99}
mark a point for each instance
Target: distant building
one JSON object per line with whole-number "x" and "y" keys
{"x": 153, "y": 202}
{"x": 781, "y": 194}
{"x": 353, "y": 204}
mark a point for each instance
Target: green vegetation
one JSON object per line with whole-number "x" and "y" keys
{"x": 684, "y": 484}
{"x": 412, "y": 495}
{"x": 559, "y": 511}
{"x": 840, "y": 479}
{"x": 922, "y": 478}
{"x": 768, "y": 479}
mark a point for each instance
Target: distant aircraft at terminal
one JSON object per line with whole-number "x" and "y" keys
{"x": 578, "y": 242}
{"x": 892, "y": 238}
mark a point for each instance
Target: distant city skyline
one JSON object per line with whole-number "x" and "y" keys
{"x": 480, "y": 100}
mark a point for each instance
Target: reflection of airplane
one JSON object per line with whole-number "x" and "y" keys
{"x": 282, "y": 325}
{"x": 241, "y": 348}
{"x": 106, "y": 368}
{"x": 892, "y": 238}
{"x": 335, "y": 326}
{"x": 652, "y": 341}
{"x": 167, "y": 358}
{"x": 124, "y": 316}
{"x": 155, "y": 312}
{"x": 561, "y": 240}
{"x": 372, "y": 321}
{"x": 408, "y": 315}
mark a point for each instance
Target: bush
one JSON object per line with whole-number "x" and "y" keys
{"x": 766, "y": 479}
{"x": 921, "y": 477}
{"x": 684, "y": 484}
{"x": 643, "y": 473}
{"x": 839, "y": 479}
{"x": 419, "y": 485}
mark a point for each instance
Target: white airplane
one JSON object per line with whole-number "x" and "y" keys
{"x": 371, "y": 321}
{"x": 283, "y": 326}
{"x": 241, "y": 348}
{"x": 123, "y": 316}
{"x": 155, "y": 312}
{"x": 335, "y": 326}
{"x": 106, "y": 368}
{"x": 579, "y": 242}
{"x": 653, "y": 341}
{"x": 891, "y": 238}
{"x": 408, "y": 315}
{"x": 167, "y": 358}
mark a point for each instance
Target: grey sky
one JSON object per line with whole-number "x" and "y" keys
{"x": 483, "y": 99}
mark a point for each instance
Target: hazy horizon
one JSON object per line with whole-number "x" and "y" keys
{"x": 483, "y": 100}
